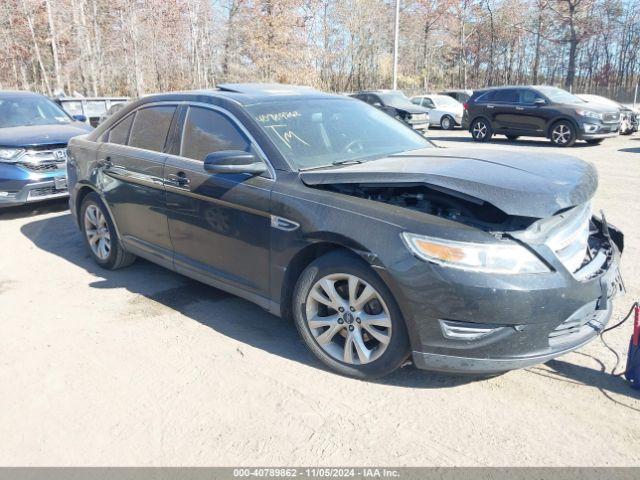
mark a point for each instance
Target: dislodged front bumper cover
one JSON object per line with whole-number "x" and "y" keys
{"x": 515, "y": 328}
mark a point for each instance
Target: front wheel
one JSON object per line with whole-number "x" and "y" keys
{"x": 563, "y": 134}
{"x": 348, "y": 318}
{"x": 481, "y": 130}
{"x": 447, "y": 123}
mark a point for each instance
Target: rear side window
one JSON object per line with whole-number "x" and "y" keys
{"x": 485, "y": 97}
{"x": 150, "y": 128}
{"x": 506, "y": 96}
{"x": 206, "y": 131}
{"x": 120, "y": 133}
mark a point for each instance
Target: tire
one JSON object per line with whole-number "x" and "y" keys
{"x": 562, "y": 134}
{"x": 595, "y": 141}
{"x": 481, "y": 130}
{"x": 512, "y": 138}
{"x": 447, "y": 122}
{"x": 106, "y": 250}
{"x": 336, "y": 270}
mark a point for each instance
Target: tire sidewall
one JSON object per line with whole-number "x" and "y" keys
{"x": 339, "y": 262}
{"x": 489, "y": 133}
{"x": 572, "y": 129}
{"x": 94, "y": 199}
{"x": 444, "y": 119}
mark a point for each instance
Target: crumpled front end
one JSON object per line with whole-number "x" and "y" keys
{"x": 478, "y": 323}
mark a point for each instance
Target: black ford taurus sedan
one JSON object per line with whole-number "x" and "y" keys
{"x": 326, "y": 210}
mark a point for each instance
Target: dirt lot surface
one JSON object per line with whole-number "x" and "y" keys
{"x": 145, "y": 367}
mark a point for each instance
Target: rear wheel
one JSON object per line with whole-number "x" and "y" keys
{"x": 563, "y": 134}
{"x": 481, "y": 130}
{"x": 447, "y": 123}
{"x": 100, "y": 235}
{"x": 348, "y": 318}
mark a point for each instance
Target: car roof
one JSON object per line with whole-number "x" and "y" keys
{"x": 245, "y": 93}
{"x": 13, "y": 94}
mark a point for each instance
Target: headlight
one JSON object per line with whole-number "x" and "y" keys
{"x": 589, "y": 114}
{"x": 506, "y": 257}
{"x": 10, "y": 155}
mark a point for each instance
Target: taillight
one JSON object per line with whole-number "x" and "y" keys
{"x": 465, "y": 105}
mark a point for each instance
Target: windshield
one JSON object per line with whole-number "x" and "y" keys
{"x": 395, "y": 99}
{"x": 21, "y": 111}
{"x": 320, "y": 132}
{"x": 558, "y": 95}
{"x": 444, "y": 101}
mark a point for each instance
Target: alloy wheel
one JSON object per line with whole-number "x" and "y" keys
{"x": 561, "y": 134}
{"x": 348, "y": 318}
{"x": 446, "y": 123}
{"x": 479, "y": 130}
{"x": 97, "y": 231}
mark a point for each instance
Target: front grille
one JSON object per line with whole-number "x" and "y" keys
{"x": 44, "y": 192}
{"x": 611, "y": 117}
{"x": 585, "y": 320}
{"x": 570, "y": 238}
{"x": 44, "y": 159}
{"x": 43, "y": 167}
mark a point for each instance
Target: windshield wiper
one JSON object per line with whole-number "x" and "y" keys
{"x": 346, "y": 162}
{"x": 337, "y": 163}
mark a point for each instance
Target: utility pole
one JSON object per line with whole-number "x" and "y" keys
{"x": 395, "y": 47}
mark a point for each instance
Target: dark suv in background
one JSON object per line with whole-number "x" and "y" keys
{"x": 538, "y": 111}
{"x": 397, "y": 105}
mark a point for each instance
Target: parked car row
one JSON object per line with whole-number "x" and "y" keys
{"x": 532, "y": 111}
{"x": 320, "y": 208}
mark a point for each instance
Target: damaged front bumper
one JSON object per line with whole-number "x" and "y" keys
{"x": 477, "y": 323}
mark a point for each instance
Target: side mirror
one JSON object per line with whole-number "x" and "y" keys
{"x": 233, "y": 161}
{"x": 377, "y": 104}
{"x": 80, "y": 118}
{"x": 538, "y": 102}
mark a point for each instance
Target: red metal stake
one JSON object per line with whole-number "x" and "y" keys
{"x": 636, "y": 327}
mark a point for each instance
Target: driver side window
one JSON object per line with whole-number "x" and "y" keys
{"x": 206, "y": 131}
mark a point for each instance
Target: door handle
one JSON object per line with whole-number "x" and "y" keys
{"x": 490, "y": 106}
{"x": 178, "y": 179}
{"x": 105, "y": 163}
{"x": 519, "y": 108}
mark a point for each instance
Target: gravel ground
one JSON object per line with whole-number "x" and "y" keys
{"x": 145, "y": 367}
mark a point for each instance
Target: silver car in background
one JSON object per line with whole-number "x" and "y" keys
{"x": 444, "y": 111}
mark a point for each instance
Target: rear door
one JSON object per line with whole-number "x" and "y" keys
{"x": 505, "y": 113}
{"x": 132, "y": 162}
{"x": 220, "y": 224}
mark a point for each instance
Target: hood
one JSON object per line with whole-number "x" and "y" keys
{"x": 596, "y": 107}
{"x": 36, "y": 135}
{"x": 411, "y": 108}
{"x": 517, "y": 183}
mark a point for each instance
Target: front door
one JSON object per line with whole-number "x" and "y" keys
{"x": 220, "y": 224}
{"x": 131, "y": 164}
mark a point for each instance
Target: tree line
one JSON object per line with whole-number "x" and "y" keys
{"x": 134, "y": 47}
